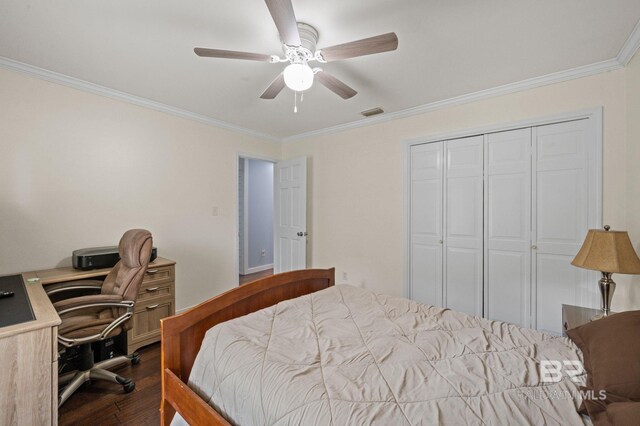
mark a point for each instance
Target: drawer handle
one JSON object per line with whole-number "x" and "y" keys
{"x": 150, "y": 307}
{"x": 152, "y": 271}
{"x": 152, "y": 289}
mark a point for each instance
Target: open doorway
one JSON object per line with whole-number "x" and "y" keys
{"x": 255, "y": 218}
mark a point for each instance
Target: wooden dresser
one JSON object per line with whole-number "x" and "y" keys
{"x": 156, "y": 298}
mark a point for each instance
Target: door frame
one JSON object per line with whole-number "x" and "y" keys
{"x": 594, "y": 150}
{"x": 236, "y": 180}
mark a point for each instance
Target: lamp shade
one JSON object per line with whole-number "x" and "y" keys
{"x": 608, "y": 251}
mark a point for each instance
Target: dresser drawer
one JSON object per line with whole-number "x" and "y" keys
{"x": 146, "y": 319}
{"x": 155, "y": 290}
{"x": 154, "y": 275}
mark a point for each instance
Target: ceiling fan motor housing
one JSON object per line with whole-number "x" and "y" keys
{"x": 306, "y": 51}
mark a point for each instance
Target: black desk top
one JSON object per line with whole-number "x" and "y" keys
{"x": 16, "y": 309}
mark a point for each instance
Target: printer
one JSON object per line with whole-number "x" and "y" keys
{"x": 100, "y": 257}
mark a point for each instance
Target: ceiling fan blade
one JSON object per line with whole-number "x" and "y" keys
{"x": 274, "y": 88}
{"x": 285, "y": 19}
{"x": 335, "y": 85}
{"x": 230, "y": 54}
{"x": 367, "y": 46}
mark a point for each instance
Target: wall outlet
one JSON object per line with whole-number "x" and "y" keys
{"x": 345, "y": 276}
{"x": 263, "y": 253}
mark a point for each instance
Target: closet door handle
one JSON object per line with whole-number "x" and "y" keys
{"x": 534, "y": 247}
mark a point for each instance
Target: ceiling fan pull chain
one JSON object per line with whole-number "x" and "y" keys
{"x": 295, "y": 102}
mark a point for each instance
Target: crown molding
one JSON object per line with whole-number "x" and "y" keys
{"x": 624, "y": 56}
{"x": 96, "y": 89}
{"x": 630, "y": 46}
{"x": 558, "y": 77}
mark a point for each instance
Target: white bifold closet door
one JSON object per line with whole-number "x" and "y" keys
{"x": 463, "y": 242}
{"x": 508, "y": 226}
{"x": 446, "y": 224}
{"x": 496, "y": 219}
{"x": 560, "y": 219}
{"x": 426, "y": 236}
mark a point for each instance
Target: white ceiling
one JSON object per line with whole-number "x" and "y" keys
{"x": 446, "y": 48}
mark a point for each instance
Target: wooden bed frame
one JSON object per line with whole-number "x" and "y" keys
{"x": 182, "y": 336}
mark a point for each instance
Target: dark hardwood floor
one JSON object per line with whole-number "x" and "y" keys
{"x": 104, "y": 403}
{"x": 252, "y": 277}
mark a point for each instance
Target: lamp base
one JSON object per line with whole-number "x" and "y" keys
{"x": 601, "y": 316}
{"x": 607, "y": 288}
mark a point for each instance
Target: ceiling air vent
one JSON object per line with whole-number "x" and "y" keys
{"x": 372, "y": 111}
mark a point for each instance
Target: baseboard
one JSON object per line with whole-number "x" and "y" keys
{"x": 259, "y": 269}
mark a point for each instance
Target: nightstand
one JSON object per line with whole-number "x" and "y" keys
{"x": 575, "y": 316}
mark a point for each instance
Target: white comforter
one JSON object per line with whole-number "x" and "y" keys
{"x": 347, "y": 356}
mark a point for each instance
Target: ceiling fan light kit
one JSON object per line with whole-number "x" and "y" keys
{"x": 298, "y": 77}
{"x": 299, "y": 45}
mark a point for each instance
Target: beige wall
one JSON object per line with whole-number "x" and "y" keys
{"x": 356, "y": 181}
{"x": 76, "y": 170}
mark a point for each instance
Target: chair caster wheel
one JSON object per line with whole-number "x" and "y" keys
{"x": 135, "y": 359}
{"x": 129, "y": 387}
{"x": 127, "y": 384}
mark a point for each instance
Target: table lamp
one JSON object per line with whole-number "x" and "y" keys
{"x": 608, "y": 252}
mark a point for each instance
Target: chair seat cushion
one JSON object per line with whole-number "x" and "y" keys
{"x": 87, "y": 325}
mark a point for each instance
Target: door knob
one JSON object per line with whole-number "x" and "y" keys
{"x": 302, "y": 234}
{"x": 534, "y": 247}
{"x": 440, "y": 241}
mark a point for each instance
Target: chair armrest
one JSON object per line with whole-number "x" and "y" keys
{"x": 91, "y": 301}
{"x": 73, "y": 285}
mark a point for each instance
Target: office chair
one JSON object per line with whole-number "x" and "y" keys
{"x": 88, "y": 319}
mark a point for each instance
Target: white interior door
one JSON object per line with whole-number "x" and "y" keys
{"x": 508, "y": 226}
{"x": 290, "y": 233}
{"x": 560, "y": 219}
{"x": 425, "y": 223}
{"x": 463, "y": 222}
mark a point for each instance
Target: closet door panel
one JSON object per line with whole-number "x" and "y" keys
{"x": 506, "y": 296}
{"x": 426, "y": 273}
{"x": 560, "y": 222}
{"x": 425, "y": 270}
{"x": 508, "y": 226}
{"x": 463, "y": 275}
{"x": 464, "y": 280}
{"x": 557, "y": 284}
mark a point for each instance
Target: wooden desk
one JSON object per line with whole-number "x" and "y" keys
{"x": 156, "y": 298}
{"x": 29, "y": 359}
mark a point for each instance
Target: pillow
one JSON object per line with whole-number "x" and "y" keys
{"x": 623, "y": 413}
{"x": 611, "y": 349}
{"x": 612, "y": 411}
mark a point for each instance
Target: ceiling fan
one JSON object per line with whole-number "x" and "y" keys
{"x": 299, "y": 46}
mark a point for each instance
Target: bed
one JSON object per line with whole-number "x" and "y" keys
{"x": 295, "y": 349}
